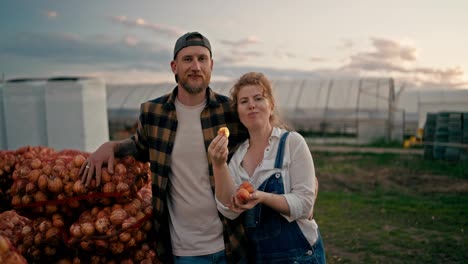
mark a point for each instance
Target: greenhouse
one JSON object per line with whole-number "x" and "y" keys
{"x": 354, "y": 108}
{"x": 356, "y": 111}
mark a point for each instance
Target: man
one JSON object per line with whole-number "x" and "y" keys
{"x": 173, "y": 134}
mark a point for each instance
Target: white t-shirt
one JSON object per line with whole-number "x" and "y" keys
{"x": 298, "y": 174}
{"x": 195, "y": 226}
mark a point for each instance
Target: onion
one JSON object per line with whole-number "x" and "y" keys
{"x": 125, "y": 236}
{"x": 36, "y": 163}
{"x": 38, "y": 239}
{"x": 102, "y": 225}
{"x": 117, "y": 247}
{"x": 51, "y": 208}
{"x": 131, "y": 242}
{"x": 120, "y": 169}
{"x": 87, "y": 228}
{"x": 87, "y": 245}
{"x": 73, "y": 203}
{"x": 101, "y": 214}
{"x": 74, "y": 174}
{"x": 79, "y": 160}
{"x": 105, "y": 176}
{"x": 75, "y": 230}
{"x": 108, "y": 187}
{"x": 26, "y": 230}
{"x": 47, "y": 169}
{"x": 40, "y": 196}
{"x": 26, "y": 199}
{"x": 50, "y": 251}
{"x": 130, "y": 209}
{"x": 34, "y": 175}
{"x": 59, "y": 170}
{"x": 78, "y": 187}
{"x": 55, "y": 185}
{"x": 42, "y": 182}
{"x": 118, "y": 216}
{"x": 147, "y": 226}
{"x": 101, "y": 245}
{"x": 30, "y": 188}
{"x": 57, "y": 220}
{"x": 68, "y": 188}
{"x": 139, "y": 255}
{"x": 128, "y": 222}
{"x": 52, "y": 235}
{"x": 44, "y": 225}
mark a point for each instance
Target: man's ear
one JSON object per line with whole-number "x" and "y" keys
{"x": 174, "y": 67}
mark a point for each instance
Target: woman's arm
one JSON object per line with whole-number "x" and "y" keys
{"x": 224, "y": 184}
{"x": 301, "y": 197}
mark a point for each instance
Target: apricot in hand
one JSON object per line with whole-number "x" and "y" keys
{"x": 244, "y": 191}
{"x": 243, "y": 195}
{"x": 248, "y": 186}
{"x": 223, "y": 131}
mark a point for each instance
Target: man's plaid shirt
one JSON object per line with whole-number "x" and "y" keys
{"x": 157, "y": 127}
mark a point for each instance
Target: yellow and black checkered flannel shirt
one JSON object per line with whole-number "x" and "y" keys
{"x": 156, "y": 131}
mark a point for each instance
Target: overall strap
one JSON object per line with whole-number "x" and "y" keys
{"x": 280, "y": 153}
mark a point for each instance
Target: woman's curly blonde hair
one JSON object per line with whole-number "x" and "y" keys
{"x": 257, "y": 78}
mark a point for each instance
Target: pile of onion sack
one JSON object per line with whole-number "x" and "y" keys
{"x": 57, "y": 219}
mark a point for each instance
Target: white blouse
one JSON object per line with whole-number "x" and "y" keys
{"x": 298, "y": 175}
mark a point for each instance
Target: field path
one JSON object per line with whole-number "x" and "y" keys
{"x": 345, "y": 149}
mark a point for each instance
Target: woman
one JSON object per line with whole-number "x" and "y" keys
{"x": 277, "y": 216}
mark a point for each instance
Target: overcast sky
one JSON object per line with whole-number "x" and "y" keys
{"x": 418, "y": 42}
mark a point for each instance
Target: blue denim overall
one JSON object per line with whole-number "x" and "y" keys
{"x": 273, "y": 239}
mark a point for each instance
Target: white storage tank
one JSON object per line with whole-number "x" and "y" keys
{"x": 24, "y": 113}
{"x": 62, "y": 113}
{"x": 2, "y": 121}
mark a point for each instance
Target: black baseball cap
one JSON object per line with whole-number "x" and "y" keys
{"x": 191, "y": 39}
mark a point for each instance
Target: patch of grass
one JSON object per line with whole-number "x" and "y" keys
{"x": 409, "y": 163}
{"x": 388, "y": 227}
{"x": 372, "y": 208}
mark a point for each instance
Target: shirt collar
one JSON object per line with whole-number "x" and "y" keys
{"x": 276, "y": 132}
{"x": 211, "y": 100}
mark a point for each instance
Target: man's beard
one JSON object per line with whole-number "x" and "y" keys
{"x": 193, "y": 89}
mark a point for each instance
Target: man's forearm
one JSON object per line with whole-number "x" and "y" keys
{"x": 125, "y": 147}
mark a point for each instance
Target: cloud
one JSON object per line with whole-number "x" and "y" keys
{"x": 54, "y": 52}
{"x": 346, "y": 44}
{"x": 142, "y": 24}
{"x": 280, "y": 54}
{"x": 74, "y": 48}
{"x": 385, "y": 52}
{"x": 130, "y": 41}
{"x": 32, "y": 54}
{"x": 242, "y": 43}
{"x": 399, "y": 60}
{"x": 51, "y": 14}
{"x": 317, "y": 59}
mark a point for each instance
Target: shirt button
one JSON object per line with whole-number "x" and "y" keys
{"x": 277, "y": 175}
{"x": 309, "y": 252}
{"x": 268, "y": 149}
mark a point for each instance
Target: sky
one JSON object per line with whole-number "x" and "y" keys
{"x": 419, "y": 43}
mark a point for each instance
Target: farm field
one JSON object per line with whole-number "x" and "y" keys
{"x": 391, "y": 208}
